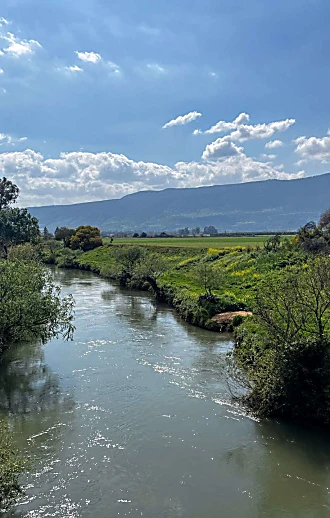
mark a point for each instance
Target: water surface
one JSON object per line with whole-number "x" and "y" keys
{"x": 132, "y": 419}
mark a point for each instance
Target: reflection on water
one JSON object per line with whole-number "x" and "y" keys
{"x": 133, "y": 419}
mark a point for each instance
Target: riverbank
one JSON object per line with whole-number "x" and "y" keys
{"x": 236, "y": 272}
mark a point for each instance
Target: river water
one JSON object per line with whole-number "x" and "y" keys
{"x": 133, "y": 419}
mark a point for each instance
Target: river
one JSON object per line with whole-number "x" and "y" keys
{"x": 133, "y": 419}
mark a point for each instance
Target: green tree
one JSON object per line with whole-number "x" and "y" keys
{"x": 31, "y": 307}
{"x": 12, "y": 466}
{"x": 86, "y": 238}
{"x": 206, "y": 277}
{"x": 128, "y": 258}
{"x": 283, "y": 354}
{"x": 64, "y": 234}
{"x": 17, "y": 226}
{"x": 46, "y": 234}
{"x": 273, "y": 243}
{"x": 150, "y": 270}
{"x": 8, "y": 193}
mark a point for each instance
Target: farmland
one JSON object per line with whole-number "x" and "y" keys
{"x": 216, "y": 243}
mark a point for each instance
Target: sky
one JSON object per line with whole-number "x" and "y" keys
{"x": 100, "y": 99}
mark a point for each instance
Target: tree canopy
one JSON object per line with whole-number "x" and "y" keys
{"x": 86, "y": 238}
{"x": 8, "y": 193}
{"x": 17, "y": 226}
{"x": 64, "y": 234}
{"x": 30, "y": 304}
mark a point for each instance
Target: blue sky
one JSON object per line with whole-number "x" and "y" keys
{"x": 86, "y": 88}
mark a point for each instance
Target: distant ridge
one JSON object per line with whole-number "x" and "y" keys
{"x": 246, "y": 207}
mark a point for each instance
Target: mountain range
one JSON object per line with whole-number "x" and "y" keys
{"x": 270, "y": 205}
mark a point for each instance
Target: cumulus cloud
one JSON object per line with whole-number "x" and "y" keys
{"x": 274, "y": 144}
{"x": 224, "y": 127}
{"x": 183, "y": 119}
{"x": 81, "y": 176}
{"x": 18, "y": 47}
{"x": 313, "y": 148}
{"x": 240, "y": 130}
{"x": 260, "y": 131}
{"x": 89, "y": 57}
{"x": 221, "y": 148}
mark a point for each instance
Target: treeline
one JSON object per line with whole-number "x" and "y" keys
{"x": 31, "y": 309}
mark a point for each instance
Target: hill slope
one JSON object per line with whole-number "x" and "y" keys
{"x": 255, "y": 206}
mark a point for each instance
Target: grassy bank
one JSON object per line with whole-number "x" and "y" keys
{"x": 236, "y": 271}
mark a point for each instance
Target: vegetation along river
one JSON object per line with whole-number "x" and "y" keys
{"x": 132, "y": 419}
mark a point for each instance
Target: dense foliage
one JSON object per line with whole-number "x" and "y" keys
{"x": 11, "y": 467}
{"x": 283, "y": 353}
{"x": 8, "y": 193}
{"x": 17, "y": 226}
{"x": 30, "y": 304}
{"x": 86, "y": 238}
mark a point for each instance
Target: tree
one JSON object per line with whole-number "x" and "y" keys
{"x": 11, "y": 467}
{"x": 8, "y": 193}
{"x": 196, "y": 231}
{"x": 184, "y": 231}
{"x": 64, "y": 234}
{"x": 210, "y": 230}
{"x": 128, "y": 258}
{"x": 144, "y": 235}
{"x": 325, "y": 219}
{"x": 46, "y": 234}
{"x": 135, "y": 234}
{"x": 206, "y": 277}
{"x": 273, "y": 243}
{"x": 150, "y": 269}
{"x": 285, "y": 351}
{"x": 17, "y": 226}
{"x": 30, "y": 305}
{"x": 86, "y": 238}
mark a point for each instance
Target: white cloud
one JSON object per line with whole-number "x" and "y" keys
{"x": 268, "y": 156}
{"x": 274, "y": 144}
{"x": 3, "y": 22}
{"x": 89, "y": 57}
{"x": 18, "y": 47}
{"x": 1, "y": 71}
{"x": 156, "y": 68}
{"x": 241, "y": 131}
{"x": 221, "y": 148}
{"x": 6, "y": 140}
{"x": 260, "y": 131}
{"x": 183, "y": 119}
{"x": 313, "y": 148}
{"x": 114, "y": 67}
{"x": 81, "y": 176}
{"x": 73, "y": 68}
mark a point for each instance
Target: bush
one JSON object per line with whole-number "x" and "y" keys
{"x": 283, "y": 354}
{"x": 11, "y": 467}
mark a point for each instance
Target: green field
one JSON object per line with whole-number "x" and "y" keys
{"x": 216, "y": 243}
